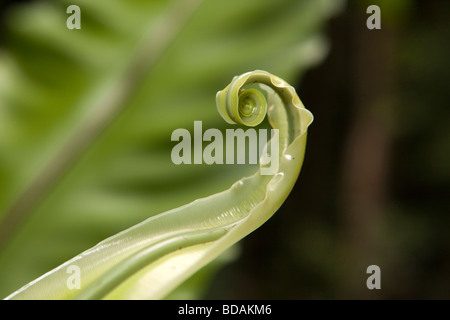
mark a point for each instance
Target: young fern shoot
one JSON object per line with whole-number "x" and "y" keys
{"x": 150, "y": 259}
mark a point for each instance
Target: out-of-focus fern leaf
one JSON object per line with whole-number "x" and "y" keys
{"x": 86, "y": 115}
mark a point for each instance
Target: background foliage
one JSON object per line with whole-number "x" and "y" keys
{"x": 374, "y": 185}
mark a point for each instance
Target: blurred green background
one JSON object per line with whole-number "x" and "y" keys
{"x": 86, "y": 117}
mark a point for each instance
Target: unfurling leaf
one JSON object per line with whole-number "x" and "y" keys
{"x": 151, "y": 258}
